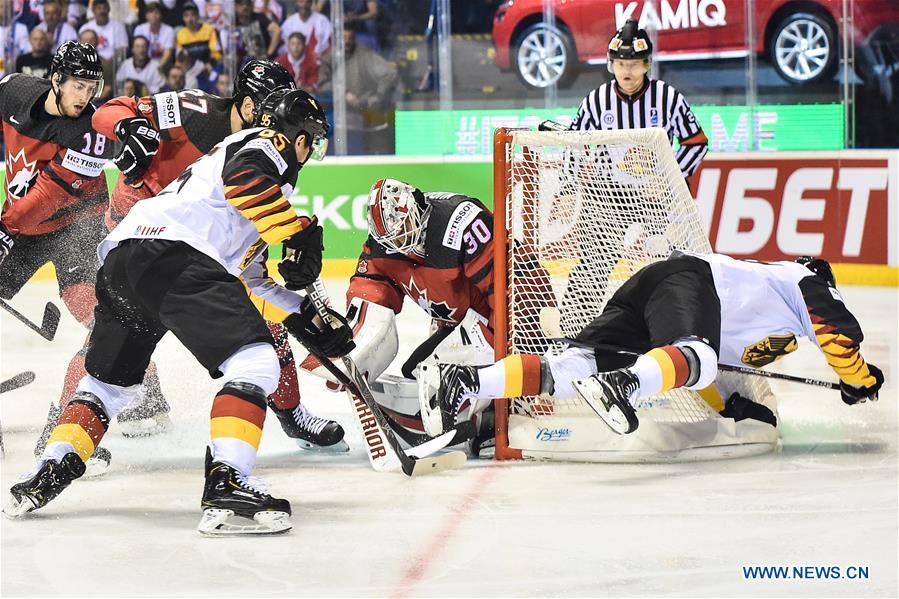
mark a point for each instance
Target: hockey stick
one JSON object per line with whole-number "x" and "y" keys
{"x": 20, "y": 380}
{"x": 777, "y": 375}
{"x": 367, "y": 410}
{"x": 47, "y": 330}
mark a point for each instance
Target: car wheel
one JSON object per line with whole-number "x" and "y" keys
{"x": 544, "y": 55}
{"x": 804, "y": 48}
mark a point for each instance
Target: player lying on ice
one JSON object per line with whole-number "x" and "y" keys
{"x": 436, "y": 249}
{"x": 682, "y": 317}
{"x": 175, "y": 263}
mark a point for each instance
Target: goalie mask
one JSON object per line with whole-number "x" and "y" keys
{"x": 397, "y": 216}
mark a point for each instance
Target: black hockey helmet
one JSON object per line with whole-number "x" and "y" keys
{"x": 630, "y": 43}
{"x": 293, "y": 112}
{"x": 79, "y": 60}
{"x": 819, "y": 267}
{"x": 258, "y": 78}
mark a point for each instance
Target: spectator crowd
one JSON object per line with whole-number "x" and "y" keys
{"x": 152, "y": 46}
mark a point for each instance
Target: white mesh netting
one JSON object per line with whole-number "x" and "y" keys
{"x": 585, "y": 211}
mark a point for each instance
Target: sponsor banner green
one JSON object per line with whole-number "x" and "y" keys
{"x": 769, "y": 127}
{"x": 337, "y": 192}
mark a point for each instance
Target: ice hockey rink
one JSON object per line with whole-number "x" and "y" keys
{"x": 828, "y": 498}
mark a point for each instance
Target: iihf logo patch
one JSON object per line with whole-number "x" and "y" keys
{"x": 608, "y": 118}
{"x": 653, "y": 117}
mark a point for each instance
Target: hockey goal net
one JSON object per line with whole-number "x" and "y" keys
{"x": 576, "y": 214}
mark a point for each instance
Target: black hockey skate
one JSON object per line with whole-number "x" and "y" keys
{"x": 311, "y": 432}
{"x": 483, "y": 444}
{"x": 609, "y": 394}
{"x": 150, "y": 416}
{"x": 442, "y": 400}
{"x": 228, "y": 494}
{"x": 96, "y": 465}
{"x": 43, "y": 487}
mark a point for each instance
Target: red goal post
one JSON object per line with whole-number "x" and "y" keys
{"x": 575, "y": 214}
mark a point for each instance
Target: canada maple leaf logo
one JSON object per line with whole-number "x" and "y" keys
{"x": 437, "y": 310}
{"x": 24, "y": 174}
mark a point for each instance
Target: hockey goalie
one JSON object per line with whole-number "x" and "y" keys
{"x": 437, "y": 250}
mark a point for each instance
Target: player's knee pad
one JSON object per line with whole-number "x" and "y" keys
{"x": 113, "y": 398}
{"x": 573, "y": 364}
{"x": 256, "y": 364}
{"x": 702, "y": 360}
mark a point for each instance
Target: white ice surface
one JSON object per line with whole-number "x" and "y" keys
{"x": 492, "y": 529}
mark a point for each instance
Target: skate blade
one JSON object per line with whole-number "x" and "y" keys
{"x": 95, "y": 467}
{"x": 591, "y": 392}
{"x": 306, "y": 446}
{"x": 145, "y": 427}
{"x": 15, "y": 508}
{"x": 224, "y": 523}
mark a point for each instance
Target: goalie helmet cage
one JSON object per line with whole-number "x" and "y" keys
{"x": 576, "y": 214}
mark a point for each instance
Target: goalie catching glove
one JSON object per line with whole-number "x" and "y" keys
{"x": 853, "y": 395}
{"x": 141, "y": 141}
{"x": 308, "y": 327}
{"x": 302, "y": 261}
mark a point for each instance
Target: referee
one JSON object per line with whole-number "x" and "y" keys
{"x": 633, "y": 100}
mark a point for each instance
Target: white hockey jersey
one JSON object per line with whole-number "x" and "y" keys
{"x": 230, "y": 205}
{"x": 766, "y": 306}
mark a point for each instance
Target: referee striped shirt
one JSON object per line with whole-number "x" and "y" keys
{"x": 657, "y": 104}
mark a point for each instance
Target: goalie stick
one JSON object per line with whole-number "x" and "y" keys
{"x": 50, "y": 322}
{"x": 367, "y": 410}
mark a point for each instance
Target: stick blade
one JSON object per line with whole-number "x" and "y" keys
{"x": 432, "y": 465}
{"x": 50, "y": 322}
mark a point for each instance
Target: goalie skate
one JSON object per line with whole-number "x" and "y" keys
{"x": 234, "y": 504}
{"x": 608, "y": 394}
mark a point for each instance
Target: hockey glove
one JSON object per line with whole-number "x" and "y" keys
{"x": 853, "y": 395}
{"x": 6, "y": 242}
{"x": 740, "y": 408}
{"x": 141, "y": 144}
{"x": 302, "y": 261}
{"x": 311, "y": 331}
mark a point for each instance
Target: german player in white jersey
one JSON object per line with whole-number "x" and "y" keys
{"x": 182, "y": 263}
{"x": 681, "y": 317}
{"x": 633, "y": 100}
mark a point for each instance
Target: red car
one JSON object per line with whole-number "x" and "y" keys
{"x": 799, "y": 38}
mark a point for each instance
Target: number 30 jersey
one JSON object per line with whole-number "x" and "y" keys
{"x": 455, "y": 273}
{"x": 231, "y": 204}
{"x": 190, "y": 124}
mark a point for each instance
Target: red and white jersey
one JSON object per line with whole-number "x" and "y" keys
{"x": 231, "y": 205}
{"x": 766, "y": 306}
{"x": 54, "y": 165}
{"x": 455, "y": 273}
{"x": 190, "y": 124}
